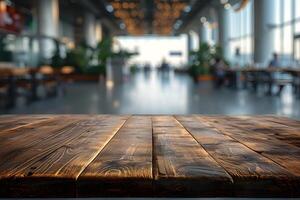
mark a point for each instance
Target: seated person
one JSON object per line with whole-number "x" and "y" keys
{"x": 275, "y": 61}
{"x": 164, "y": 65}
{"x": 219, "y": 72}
{"x": 273, "y": 75}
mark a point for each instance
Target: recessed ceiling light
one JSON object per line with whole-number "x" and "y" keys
{"x": 227, "y": 6}
{"x": 109, "y": 8}
{"x": 122, "y": 26}
{"x": 203, "y": 19}
{"x": 187, "y": 9}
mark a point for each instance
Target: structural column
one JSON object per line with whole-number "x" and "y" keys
{"x": 194, "y": 39}
{"x": 189, "y": 47}
{"x": 223, "y": 24}
{"x": 264, "y": 17}
{"x": 98, "y": 33}
{"x": 48, "y": 25}
{"x": 203, "y": 33}
{"x": 90, "y": 29}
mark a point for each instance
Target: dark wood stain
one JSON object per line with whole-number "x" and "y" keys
{"x": 149, "y": 156}
{"x": 124, "y": 166}
{"x": 56, "y": 152}
{"x": 184, "y": 168}
{"x": 278, "y": 151}
{"x": 243, "y": 164}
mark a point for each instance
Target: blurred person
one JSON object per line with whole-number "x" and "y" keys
{"x": 164, "y": 65}
{"x": 275, "y": 61}
{"x": 219, "y": 68}
{"x": 273, "y": 75}
{"x": 147, "y": 67}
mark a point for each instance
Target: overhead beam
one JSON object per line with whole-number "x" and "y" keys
{"x": 197, "y": 7}
{"x": 149, "y": 9}
{"x": 101, "y": 12}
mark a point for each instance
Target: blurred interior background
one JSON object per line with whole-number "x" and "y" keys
{"x": 150, "y": 57}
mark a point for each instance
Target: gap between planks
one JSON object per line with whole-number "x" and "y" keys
{"x": 231, "y": 178}
{"x": 99, "y": 151}
{"x": 265, "y": 155}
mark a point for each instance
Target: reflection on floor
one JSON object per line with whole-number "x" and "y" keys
{"x": 167, "y": 93}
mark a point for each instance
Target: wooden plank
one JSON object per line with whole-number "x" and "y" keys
{"x": 288, "y": 156}
{"x": 19, "y": 140}
{"x": 16, "y": 141}
{"x": 292, "y": 123}
{"x": 46, "y": 161}
{"x": 181, "y": 166}
{"x": 18, "y": 146}
{"x": 68, "y": 156}
{"x": 253, "y": 174}
{"x": 269, "y": 126}
{"x": 9, "y": 122}
{"x": 124, "y": 166}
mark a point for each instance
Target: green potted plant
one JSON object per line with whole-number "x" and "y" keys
{"x": 104, "y": 50}
{"x": 57, "y": 61}
{"x": 133, "y": 68}
{"x": 217, "y": 52}
{"x": 5, "y": 55}
{"x": 78, "y": 58}
{"x": 90, "y": 61}
{"x": 100, "y": 54}
{"x": 200, "y": 66}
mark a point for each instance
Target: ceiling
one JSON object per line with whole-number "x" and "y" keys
{"x": 161, "y": 17}
{"x": 136, "y": 17}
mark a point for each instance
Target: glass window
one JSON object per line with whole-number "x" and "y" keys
{"x": 287, "y": 10}
{"x": 297, "y": 27}
{"x": 297, "y": 9}
{"x": 241, "y": 33}
{"x": 248, "y": 19}
{"x": 277, "y": 40}
{"x": 287, "y": 39}
{"x": 287, "y": 20}
{"x": 277, "y": 10}
{"x": 297, "y": 49}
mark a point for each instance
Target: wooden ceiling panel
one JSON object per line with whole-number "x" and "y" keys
{"x": 140, "y": 17}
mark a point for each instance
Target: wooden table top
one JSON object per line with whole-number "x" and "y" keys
{"x": 14, "y": 71}
{"x": 17, "y": 71}
{"x": 149, "y": 156}
{"x": 270, "y": 69}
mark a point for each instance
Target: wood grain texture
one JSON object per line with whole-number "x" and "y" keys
{"x": 243, "y": 164}
{"x": 54, "y": 154}
{"x": 9, "y": 122}
{"x": 182, "y": 166}
{"x": 277, "y": 127}
{"x": 124, "y": 166}
{"x": 286, "y": 155}
{"x": 292, "y": 123}
{"x": 149, "y": 156}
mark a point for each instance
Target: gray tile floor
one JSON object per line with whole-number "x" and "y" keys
{"x": 156, "y": 93}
